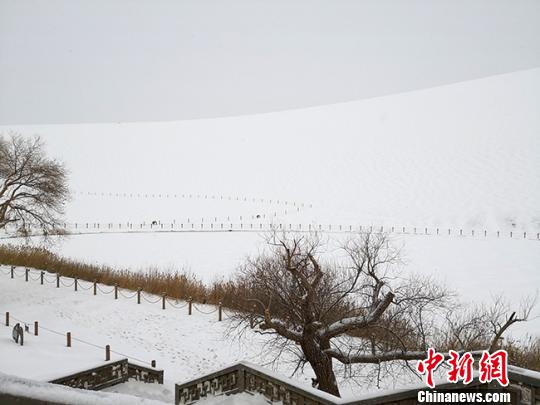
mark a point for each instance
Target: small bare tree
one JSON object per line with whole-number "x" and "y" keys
{"x": 33, "y": 188}
{"x": 360, "y": 312}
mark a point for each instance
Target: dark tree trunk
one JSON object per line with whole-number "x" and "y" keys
{"x": 321, "y": 365}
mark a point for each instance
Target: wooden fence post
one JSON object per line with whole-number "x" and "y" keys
{"x": 12, "y": 271}
{"x": 219, "y": 312}
{"x": 68, "y": 339}
{"x": 116, "y": 291}
{"x": 164, "y": 295}
{"x": 139, "y": 295}
{"x": 153, "y": 363}
{"x": 41, "y": 277}
{"x": 7, "y": 318}
{"x": 75, "y": 284}
{"x": 36, "y": 328}
{"x": 189, "y": 305}
{"x": 26, "y": 274}
{"x": 107, "y": 353}
{"x": 95, "y": 287}
{"x": 57, "y": 280}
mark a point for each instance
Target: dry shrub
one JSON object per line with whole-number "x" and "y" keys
{"x": 524, "y": 354}
{"x": 176, "y": 285}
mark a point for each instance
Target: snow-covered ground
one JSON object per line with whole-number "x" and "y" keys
{"x": 184, "y": 346}
{"x": 463, "y": 156}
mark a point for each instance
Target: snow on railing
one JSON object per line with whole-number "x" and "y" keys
{"x": 244, "y": 376}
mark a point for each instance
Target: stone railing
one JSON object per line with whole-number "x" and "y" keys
{"x": 526, "y": 384}
{"x": 141, "y": 373}
{"x": 97, "y": 378}
{"x": 245, "y": 377}
{"x": 110, "y": 374}
{"x": 226, "y": 381}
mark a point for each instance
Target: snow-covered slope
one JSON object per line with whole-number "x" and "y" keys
{"x": 463, "y": 156}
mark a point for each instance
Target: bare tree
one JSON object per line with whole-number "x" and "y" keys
{"x": 33, "y": 188}
{"x": 359, "y": 312}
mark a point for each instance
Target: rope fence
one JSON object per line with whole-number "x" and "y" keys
{"x": 20, "y": 320}
{"x": 59, "y": 281}
{"x": 128, "y": 296}
{"x": 21, "y": 275}
{"x": 175, "y": 305}
{"x": 69, "y": 338}
{"x": 67, "y": 285}
{"x": 81, "y": 285}
{"x": 48, "y": 280}
{"x": 103, "y": 291}
{"x": 40, "y": 275}
{"x": 150, "y": 300}
{"x": 205, "y": 312}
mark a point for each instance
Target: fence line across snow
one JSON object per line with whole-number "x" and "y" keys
{"x": 118, "y": 292}
{"x": 257, "y": 227}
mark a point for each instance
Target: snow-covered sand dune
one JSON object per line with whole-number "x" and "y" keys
{"x": 463, "y": 156}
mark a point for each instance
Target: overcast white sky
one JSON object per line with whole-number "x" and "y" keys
{"x": 71, "y": 61}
